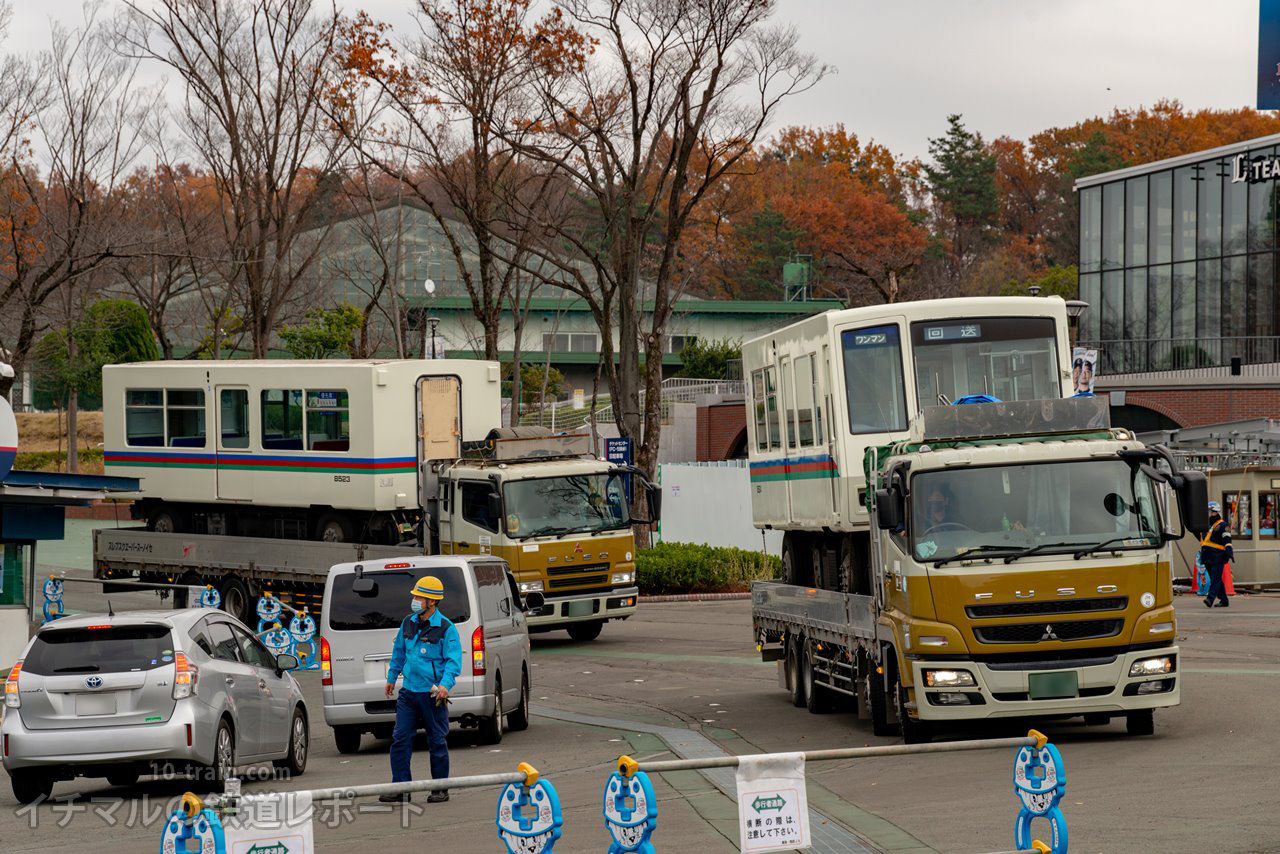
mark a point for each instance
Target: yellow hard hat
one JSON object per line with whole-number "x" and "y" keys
{"x": 429, "y": 587}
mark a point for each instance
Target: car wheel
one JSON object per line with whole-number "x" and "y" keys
{"x": 31, "y": 786}
{"x": 224, "y": 754}
{"x": 299, "y": 743}
{"x": 491, "y": 727}
{"x": 123, "y": 778}
{"x": 518, "y": 718}
{"x": 347, "y": 738}
{"x": 585, "y": 631}
{"x": 1142, "y": 722}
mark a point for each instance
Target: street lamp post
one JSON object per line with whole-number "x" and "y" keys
{"x": 1075, "y": 308}
{"x": 433, "y": 322}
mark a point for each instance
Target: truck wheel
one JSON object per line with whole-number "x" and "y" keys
{"x": 347, "y": 738}
{"x": 914, "y": 730}
{"x": 585, "y": 631}
{"x": 235, "y": 600}
{"x": 165, "y": 521}
{"x": 817, "y": 697}
{"x": 878, "y": 704}
{"x": 796, "y": 566}
{"x": 335, "y": 528}
{"x": 1141, "y": 722}
{"x": 794, "y": 677}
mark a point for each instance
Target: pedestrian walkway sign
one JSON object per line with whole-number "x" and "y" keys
{"x": 773, "y": 806}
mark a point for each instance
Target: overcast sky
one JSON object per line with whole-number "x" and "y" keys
{"x": 1012, "y": 67}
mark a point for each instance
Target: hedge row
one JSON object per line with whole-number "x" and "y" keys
{"x": 690, "y": 568}
{"x": 56, "y": 460}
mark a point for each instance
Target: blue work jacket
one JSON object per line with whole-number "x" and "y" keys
{"x": 427, "y": 655}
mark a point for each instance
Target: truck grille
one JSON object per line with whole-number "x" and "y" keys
{"x": 1036, "y": 632}
{"x": 1059, "y": 606}
{"x": 558, "y": 583}
{"x": 553, "y": 571}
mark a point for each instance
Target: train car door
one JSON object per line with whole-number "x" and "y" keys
{"x": 234, "y": 463}
{"x": 439, "y": 418}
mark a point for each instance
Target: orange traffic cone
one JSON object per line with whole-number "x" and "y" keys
{"x": 1226, "y": 580}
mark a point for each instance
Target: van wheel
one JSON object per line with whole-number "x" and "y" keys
{"x": 491, "y": 727}
{"x": 518, "y": 718}
{"x": 794, "y": 677}
{"x": 123, "y": 778}
{"x": 299, "y": 744}
{"x": 585, "y": 631}
{"x": 31, "y": 786}
{"x": 1142, "y": 722}
{"x": 335, "y": 528}
{"x": 347, "y": 738}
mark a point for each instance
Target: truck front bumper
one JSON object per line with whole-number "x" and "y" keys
{"x": 1003, "y": 690}
{"x": 616, "y": 604}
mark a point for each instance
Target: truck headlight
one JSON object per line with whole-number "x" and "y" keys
{"x": 948, "y": 678}
{"x": 1152, "y": 666}
{"x": 530, "y": 586}
{"x": 623, "y": 577}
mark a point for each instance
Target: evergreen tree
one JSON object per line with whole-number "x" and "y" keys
{"x": 962, "y": 179}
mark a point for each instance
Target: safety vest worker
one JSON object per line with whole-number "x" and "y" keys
{"x": 1215, "y": 554}
{"x": 428, "y": 652}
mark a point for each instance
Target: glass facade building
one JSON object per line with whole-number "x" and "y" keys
{"x": 1178, "y": 260}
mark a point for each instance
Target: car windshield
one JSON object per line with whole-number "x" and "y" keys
{"x": 1012, "y": 358}
{"x": 559, "y": 505}
{"x": 1064, "y": 506}
{"x": 104, "y": 649}
{"x": 387, "y": 604}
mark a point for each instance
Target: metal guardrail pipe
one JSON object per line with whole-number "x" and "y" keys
{"x": 374, "y": 790}
{"x": 847, "y": 753}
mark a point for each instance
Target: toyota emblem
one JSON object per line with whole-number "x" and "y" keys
{"x": 93, "y": 682}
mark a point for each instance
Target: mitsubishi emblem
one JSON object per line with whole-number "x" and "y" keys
{"x": 1048, "y": 634}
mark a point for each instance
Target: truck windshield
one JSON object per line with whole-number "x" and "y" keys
{"x": 563, "y": 505}
{"x": 1012, "y": 358}
{"x": 1059, "y": 507}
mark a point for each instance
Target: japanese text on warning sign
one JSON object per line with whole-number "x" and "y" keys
{"x": 773, "y": 809}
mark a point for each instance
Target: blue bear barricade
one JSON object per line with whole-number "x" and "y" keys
{"x": 298, "y": 638}
{"x": 53, "y": 606}
{"x": 193, "y": 822}
{"x": 630, "y": 809}
{"x": 529, "y": 818}
{"x": 210, "y": 598}
{"x": 1040, "y": 782}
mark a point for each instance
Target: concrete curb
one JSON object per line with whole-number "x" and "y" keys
{"x": 694, "y": 597}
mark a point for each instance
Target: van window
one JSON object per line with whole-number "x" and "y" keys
{"x": 113, "y": 649}
{"x": 388, "y": 604}
{"x": 475, "y": 504}
{"x": 491, "y": 585}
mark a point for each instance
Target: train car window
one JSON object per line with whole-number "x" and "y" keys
{"x": 233, "y": 418}
{"x": 282, "y": 421}
{"x": 185, "y": 417}
{"x": 804, "y": 400}
{"x": 144, "y": 418}
{"x": 757, "y": 400}
{"x": 328, "y": 421}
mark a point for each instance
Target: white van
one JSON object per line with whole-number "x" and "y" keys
{"x": 364, "y": 605}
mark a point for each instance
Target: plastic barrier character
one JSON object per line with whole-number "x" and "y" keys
{"x": 210, "y": 598}
{"x": 529, "y": 819}
{"x": 277, "y": 639}
{"x": 269, "y": 609}
{"x": 305, "y": 647}
{"x": 630, "y": 811}
{"x": 192, "y": 821}
{"x": 1040, "y": 781}
{"x": 53, "y": 606}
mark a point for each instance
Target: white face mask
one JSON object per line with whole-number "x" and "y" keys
{"x": 417, "y": 605}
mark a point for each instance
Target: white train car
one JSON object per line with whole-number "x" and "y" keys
{"x": 329, "y": 450}
{"x": 823, "y": 390}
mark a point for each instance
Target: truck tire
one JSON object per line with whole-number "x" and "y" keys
{"x": 235, "y": 600}
{"x": 588, "y": 631}
{"x": 1141, "y": 722}
{"x": 335, "y": 528}
{"x": 818, "y": 697}
{"x": 795, "y": 680}
{"x": 878, "y": 704}
{"x": 914, "y": 730}
{"x": 165, "y": 520}
{"x": 791, "y": 571}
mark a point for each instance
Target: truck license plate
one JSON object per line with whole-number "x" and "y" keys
{"x": 579, "y": 608}
{"x": 1053, "y": 686}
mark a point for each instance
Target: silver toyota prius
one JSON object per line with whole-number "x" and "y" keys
{"x": 143, "y": 692}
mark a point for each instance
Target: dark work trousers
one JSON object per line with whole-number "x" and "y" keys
{"x": 1217, "y": 590}
{"x": 415, "y": 709}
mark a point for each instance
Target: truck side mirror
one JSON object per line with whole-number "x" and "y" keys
{"x": 495, "y": 507}
{"x": 1193, "y": 501}
{"x": 654, "y": 494}
{"x": 888, "y": 509}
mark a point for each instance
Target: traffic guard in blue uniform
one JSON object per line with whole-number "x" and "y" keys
{"x": 428, "y": 653}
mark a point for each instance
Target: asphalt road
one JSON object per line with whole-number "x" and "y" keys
{"x": 1203, "y": 782}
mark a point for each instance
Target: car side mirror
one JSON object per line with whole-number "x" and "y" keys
{"x": 534, "y": 602}
{"x": 1193, "y": 501}
{"x": 888, "y": 509}
{"x": 286, "y": 661}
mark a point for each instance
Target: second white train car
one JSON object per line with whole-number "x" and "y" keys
{"x": 325, "y": 450}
